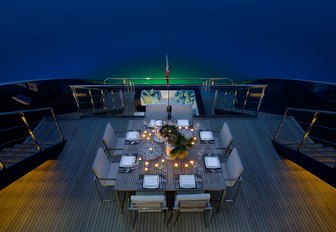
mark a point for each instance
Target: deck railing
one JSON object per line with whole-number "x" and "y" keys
{"x": 219, "y": 95}
{"x": 317, "y": 126}
{"x": 15, "y": 126}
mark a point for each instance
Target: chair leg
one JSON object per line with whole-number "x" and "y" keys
{"x": 178, "y": 214}
{"x": 207, "y": 222}
{"x": 171, "y": 216}
{"x": 121, "y": 206}
{"x": 235, "y": 195}
{"x": 221, "y": 200}
{"x": 100, "y": 194}
{"x": 135, "y": 219}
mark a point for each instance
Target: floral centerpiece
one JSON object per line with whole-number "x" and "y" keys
{"x": 179, "y": 142}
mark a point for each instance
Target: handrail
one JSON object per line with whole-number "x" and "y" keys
{"x": 171, "y": 78}
{"x": 27, "y": 124}
{"x": 311, "y": 124}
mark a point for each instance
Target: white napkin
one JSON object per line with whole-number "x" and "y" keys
{"x": 151, "y": 123}
{"x": 187, "y": 181}
{"x": 158, "y": 123}
{"x": 182, "y": 122}
{"x": 127, "y": 161}
{"x": 151, "y": 181}
{"x": 206, "y": 135}
{"x": 132, "y": 135}
{"x": 211, "y": 162}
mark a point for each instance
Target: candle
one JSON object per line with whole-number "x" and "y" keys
{"x": 151, "y": 150}
{"x": 186, "y": 127}
{"x": 139, "y": 158}
{"x": 194, "y": 138}
{"x": 153, "y": 131}
{"x": 145, "y": 132}
{"x": 146, "y": 163}
{"x": 176, "y": 165}
{"x": 186, "y": 165}
{"x": 192, "y": 143}
{"x": 191, "y": 129}
{"x": 148, "y": 138}
{"x": 191, "y": 162}
{"x": 146, "y": 169}
{"x": 144, "y": 135}
{"x": 179, "y": 128}
{"x": 162, "y": 161}
{"x": 150, "y": 134}
{"x": 156, "y": 165}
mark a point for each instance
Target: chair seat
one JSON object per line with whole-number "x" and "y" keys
{"x": 120, "y": 143}
{"x": 226, "y": 177}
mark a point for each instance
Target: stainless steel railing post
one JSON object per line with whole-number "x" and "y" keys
{"x": 56, "y": 123}
{"x": 308, "y": 130}
{"x": 280, "y": 125}
{"x": 31, "y": 133}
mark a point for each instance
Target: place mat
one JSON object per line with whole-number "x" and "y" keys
{"x": 199, "y": 182}
{"x": 134, "y": 142}
{"x": 212, "y": 170}
{"x": 129, "y": 169}
{"x": 162, "y": 183}
{"x": 146, "y": 154}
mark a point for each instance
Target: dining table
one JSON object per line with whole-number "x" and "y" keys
{"x": 151, "y": 160}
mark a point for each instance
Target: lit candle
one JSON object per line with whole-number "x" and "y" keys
{"x": 148, "y": 138}
{"x": 179, "y": 128}
{"x": 139, "y": 158}
{"x": 145, "y": 132}
{"x": 150, "y": 134}
{"x": 144, "y": 135}
{"x": 146, "y": 163}
{"x": 191, "y": 162}
{"x": 186, "y": 127}
{"x": 176, "y": 165}
{"x": 146, "y": 169}
{"x": 156, "y": 165}
{"x": 151, "y": 150}
{"x": 186, "y": 165}
{"x": 153, "y": 131}
{"x": 162, "y": 161}
{"x": 191, "y": 129}
{"x": 192, "y": 143}
{"x": 194, "y": 138}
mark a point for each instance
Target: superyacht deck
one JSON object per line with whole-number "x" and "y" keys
{"x": 276, "y": 194}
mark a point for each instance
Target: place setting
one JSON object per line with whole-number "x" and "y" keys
{"x": 149, "y": 181}
{"x": 128, "y": 163}
{"x": 132, "y": 137}
{"x": 207, "y": 137}
{"x": 212, "y": 163}
{"x": 188, "y": 181}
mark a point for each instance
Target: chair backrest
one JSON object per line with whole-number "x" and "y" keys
{"x": 184, "y": 111}
{"x": 192, "y": 202}
{"x": 101, "y": 164}
{"x": 110, "y": 137}
{"x": 156, "y": 111}
{"x": 225, "y": 136}
{"x": 234, "y": 166}
{"x": 148, "y": 203}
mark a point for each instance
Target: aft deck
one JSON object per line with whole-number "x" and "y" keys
{"x": 276, "y": 194}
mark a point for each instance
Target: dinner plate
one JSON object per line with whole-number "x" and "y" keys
{"x": 127, "y": 161}
{"x": 206, "y": 135}
{"x": 187, "y": 181}
{"x": 151, "y": 181}
{"x": 211, "y": 162}
{"x": 182, "y": 122}
{"x": 132, "y": 135}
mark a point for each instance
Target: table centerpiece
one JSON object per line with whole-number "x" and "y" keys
{"x": 178, "y": 144}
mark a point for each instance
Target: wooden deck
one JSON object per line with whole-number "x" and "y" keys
{"x": 276, "y": 194}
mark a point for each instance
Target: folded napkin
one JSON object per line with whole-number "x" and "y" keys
{"x": 158, "y": 123}
{"x": 127, "y": 161}
{"x": 132, "y": 135}
{"x": 206, "y": 135}
{"x": 151, "y": 123}
{"x": 211, "y": 162}
{"x": 182, "y": 122}
{"x": 187, "y": 181}
{"x": 151, "y": 181}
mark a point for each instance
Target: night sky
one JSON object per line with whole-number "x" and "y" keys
{"x": 239, "y": 39}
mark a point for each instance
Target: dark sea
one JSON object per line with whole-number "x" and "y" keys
{"x": 242, "y": 40}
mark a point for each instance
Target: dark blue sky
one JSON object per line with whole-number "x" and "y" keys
{"x": 240, "y": 39}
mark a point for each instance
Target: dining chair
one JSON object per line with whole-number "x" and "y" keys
{"x": 156, "y": 111}
{"x": 105, "y": 173}
{"x": 232, "y": 171}
{"x": 148, "y": 202}
{"x": 184, "y": 111}
{"x": 112, "y": 143}
{"x": 225, "y": 138}
{"x": 189, "y": 203}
